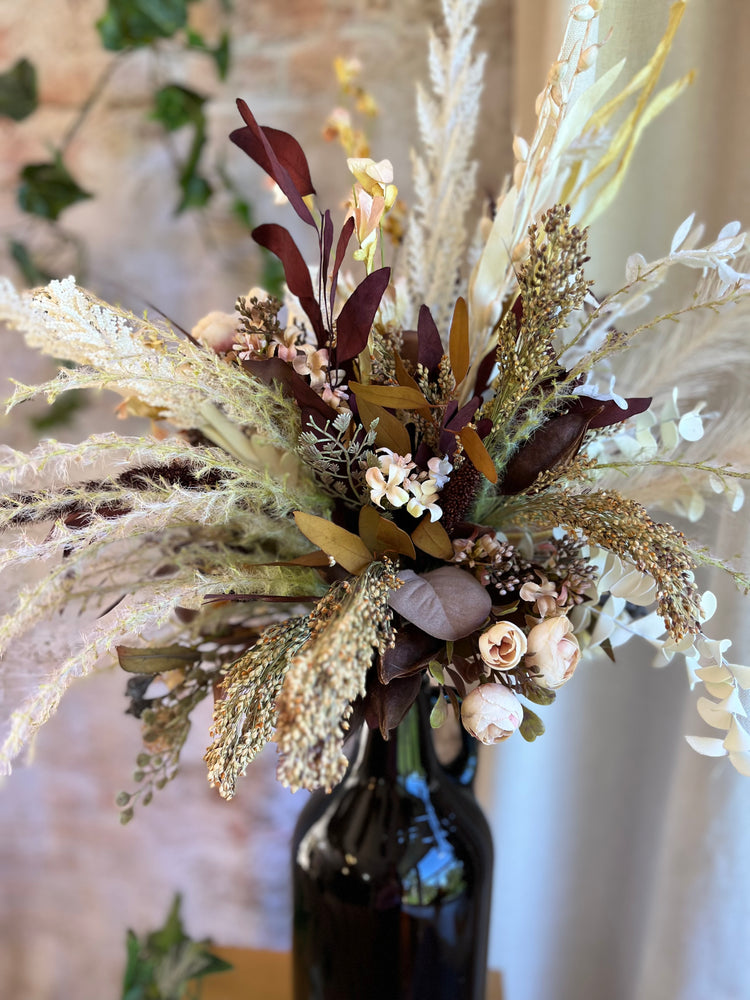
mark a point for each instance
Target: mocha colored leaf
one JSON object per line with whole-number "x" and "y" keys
{"x": 479, "y": 456}
{"x": 355, "y": 320}
{"x": 393, "y": 397}
{"x": 382, "y": 535}
{"x": 390, "y": 432}
{"x": 556, "y": 441}
{"x": 280, "y": 155}
{"x": 432, "y": 538}
{"x": 430, "y": 349}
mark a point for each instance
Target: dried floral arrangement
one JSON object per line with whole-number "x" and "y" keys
{"x": 398, "y": 471}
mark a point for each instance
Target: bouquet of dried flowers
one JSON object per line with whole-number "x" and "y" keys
{"x": 423, "y": 468}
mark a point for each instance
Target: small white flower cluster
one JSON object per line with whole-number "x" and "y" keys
{"x": 416, "y": 491}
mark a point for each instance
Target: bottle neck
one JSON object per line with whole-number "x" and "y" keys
{"x": 407, "y": 751}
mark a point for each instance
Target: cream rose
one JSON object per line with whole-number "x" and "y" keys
{"x": 491, "y": 713}
{"x": 502, "y": 646}
{"x": 553, "y": 651}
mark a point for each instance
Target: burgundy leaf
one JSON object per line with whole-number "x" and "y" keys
{"x": 412, "y": 652}
{"x": 279, "y": 241}
{"x": 291, "y": 156}
{"x": 344, "y": 236}
{"x": 430, "y": 345}
{"x": 454, "y": 421}
{"x": 275, "y": 370}
{"x": 326, "y": 242}
{"x": 292, "y": 175}
{"x": 355, "y": 319}
{"x": 604, "y": 412}
{"x": 484, "y": 372}
{"x": 386, "y": 705}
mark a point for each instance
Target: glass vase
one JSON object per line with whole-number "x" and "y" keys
{"x": 392, "y": 876}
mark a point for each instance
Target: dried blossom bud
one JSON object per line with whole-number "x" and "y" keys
{"x": 553, "y": 651}
{"x": 502, "y": 646}
{"x": 491, "y": 713}
{"x": 217, "y": 330}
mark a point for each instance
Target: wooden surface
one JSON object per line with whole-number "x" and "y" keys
{"x": 267, "y": 975}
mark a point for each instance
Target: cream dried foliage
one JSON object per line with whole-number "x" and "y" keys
{"x": 575, "y": 155}
{"x": 190, "y": 386}
{"x": 444, "y": 175}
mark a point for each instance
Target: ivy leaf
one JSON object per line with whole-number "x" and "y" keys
{"x": 18, "y": 94}
{"x": 32, "y": 273}
{"x": 176, "y": 106}
{"x": 220, "y": 54}
{"x": 196, "y": 191}
{"x": 47, "y": 189}
{"x": 132, "y": 23}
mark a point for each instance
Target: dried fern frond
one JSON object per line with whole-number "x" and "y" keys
{"x": 444, "y": 175}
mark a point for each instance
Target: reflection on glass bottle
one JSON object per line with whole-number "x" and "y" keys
{"x": 392, "y": 878}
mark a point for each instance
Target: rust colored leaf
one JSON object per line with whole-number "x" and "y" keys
{"x": 478, "y": 454}
{"x": 459, "y": 341}
{"x": 381, "y": 535}
{"x": 390, "y": 432}
{"x": 432, "y": 538}
{"x": 394, "y": 397}
{"x": 345, "y": 547}
{"x": 344, "y": 236}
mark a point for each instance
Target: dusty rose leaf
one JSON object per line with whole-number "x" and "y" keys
{"x": 447, "y": 603}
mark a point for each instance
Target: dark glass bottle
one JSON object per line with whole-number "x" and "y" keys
{"x": 392, "y": 876}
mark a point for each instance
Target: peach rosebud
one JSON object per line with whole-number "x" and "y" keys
{"x": 217, "y": 330}
{"x": 553, "y": 651}
{"x": 491, "y": 713}
{"x": 502, "y": 646}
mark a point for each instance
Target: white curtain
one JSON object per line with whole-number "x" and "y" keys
{"x": 623, "y": 868}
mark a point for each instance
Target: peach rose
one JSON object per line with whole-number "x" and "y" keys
{"x": 491, "y": 713}
{"x": 502, "y": 646}
{"x": 217, "y": 330}
{"x": 553, "y": 651}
